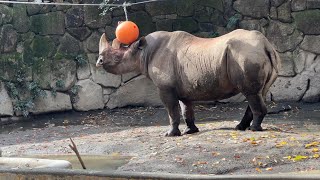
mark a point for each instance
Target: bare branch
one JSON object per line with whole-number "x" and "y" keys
{"x": 75, "y": 149}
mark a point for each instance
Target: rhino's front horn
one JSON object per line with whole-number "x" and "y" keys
{"x": 103, "y": 44}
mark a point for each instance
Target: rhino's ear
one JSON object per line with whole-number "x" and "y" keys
{"x": 138, "y": 45}
{"x": 103, "y": 43}
{"x": 116, "y": 44}
{"x": 142, "y": 43}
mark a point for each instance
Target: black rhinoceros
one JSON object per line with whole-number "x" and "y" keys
{"x": 186, "y": 68}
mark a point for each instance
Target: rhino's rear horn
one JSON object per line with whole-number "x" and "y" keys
{"x": 116, "y": 44}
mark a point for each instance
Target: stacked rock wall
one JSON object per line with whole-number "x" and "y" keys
{"x": 53, "y": 49}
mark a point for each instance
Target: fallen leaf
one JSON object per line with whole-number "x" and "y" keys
{"x": 202, "y": 162}
{"x": 234, "y": 135}
{"x": 179, "y": 159}
{"x": 315, "y": 150}
{"x": 313, "y": 144}
{"x": 288, "y": 157}
{"x": 215, "y": 154}
{"x": 281, "y": 144}
{"x": 316, "y": 156}
{"x": 269, "y": 169}
{"x": 254, "y": 160}
{"x": 299, "y": 158}
{"x": 259, "y": 170}
{"x": 292, "y": 139}
{"x": 254, "y": 142}
{"x": 199, "y": 163}
{"x": 237, "y": 156}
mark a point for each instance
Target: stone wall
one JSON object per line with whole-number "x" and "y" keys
{"x": 40, "y": 46}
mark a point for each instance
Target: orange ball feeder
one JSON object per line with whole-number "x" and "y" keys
{"x": 127, "y": 32}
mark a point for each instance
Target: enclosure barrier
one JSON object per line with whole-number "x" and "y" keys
{"x": 97, "y": 175}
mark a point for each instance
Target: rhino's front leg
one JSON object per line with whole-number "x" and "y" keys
{"x": 171, "y": 103}
{"x": 188, "y": 116}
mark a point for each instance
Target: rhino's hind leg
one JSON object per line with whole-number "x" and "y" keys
{"x": 259, "y": 110}
{"x": 246, "y": 120}
{"x": 171, "y": 103}
{"x": 188, "y": 116}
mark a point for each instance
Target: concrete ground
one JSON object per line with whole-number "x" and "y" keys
{"x": 289, "y": 143}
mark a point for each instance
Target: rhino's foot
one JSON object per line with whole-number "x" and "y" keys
{"x": 173, "y": 132}
{"x": 255, "y": 128}
{"x": 241, "y": 127}
{"x": 191, "y": 130}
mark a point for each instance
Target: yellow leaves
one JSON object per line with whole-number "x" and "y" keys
{"x": 259, "y": 170}
{"x": 201, "y": 125}
{"x": 265, "y": 136}
{"x": 258, "y": 163}
{"x": 234, "y": 135}
{"x": 299, "y": 158}
{"x": 281, "y": 144}
{"x": 288, "y": 157}
{"x": 296, "y": 158}
{"x": 252, "y": 141}
{"x": 273, "y": 136}
{"x": 313, "y": 144}
{"x": 316, "y": 156}
{"x": 315, "y": 150}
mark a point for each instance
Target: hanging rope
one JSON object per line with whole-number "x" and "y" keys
{"x": 125, "y": 10}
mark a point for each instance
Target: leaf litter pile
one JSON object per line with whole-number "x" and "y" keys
{"x": 284, "y": 147}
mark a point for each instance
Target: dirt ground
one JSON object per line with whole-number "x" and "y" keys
{"x": 288, "y": 144}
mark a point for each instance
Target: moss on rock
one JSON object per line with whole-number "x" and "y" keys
{"x": 187, "y": 24}
{"x": 48, "y": 24}
{"x": 43, "y": 46}
{"x": 308, "y": 21}
{"x": 21, "y": 21}
{"x": 216, "y": 4}
{"x": 6, "y": 14}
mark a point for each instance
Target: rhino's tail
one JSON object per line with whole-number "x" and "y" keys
{"x": 274, "y": 57}
{"x": 276, "y": 65}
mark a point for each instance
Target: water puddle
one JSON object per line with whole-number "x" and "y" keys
{"x": 92, "y": 162}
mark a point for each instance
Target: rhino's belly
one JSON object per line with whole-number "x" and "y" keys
{"x": 206, "y": 91}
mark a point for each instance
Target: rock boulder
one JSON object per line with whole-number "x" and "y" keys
{"x": 139, "y": 91}
{"x": 289, "y": 89}
{"x": 252, "y": 8}
{"x": 90, "y": 96}
{"x": 6, "y": 107}
{"x": 51, "y": 103}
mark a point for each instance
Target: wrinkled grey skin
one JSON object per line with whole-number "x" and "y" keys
{"x": 186, "y": 68}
